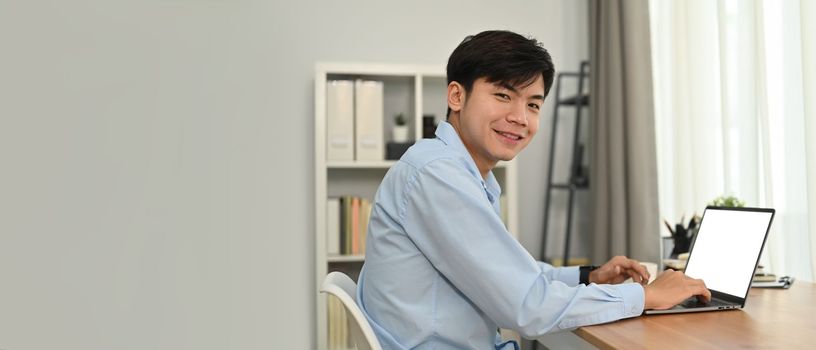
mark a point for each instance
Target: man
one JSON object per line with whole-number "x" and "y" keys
{"x": 441, "y": 270}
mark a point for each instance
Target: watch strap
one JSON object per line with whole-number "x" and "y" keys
{"x": 583, "y": 276}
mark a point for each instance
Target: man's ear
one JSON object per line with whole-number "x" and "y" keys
{"x": 456, "y": 96}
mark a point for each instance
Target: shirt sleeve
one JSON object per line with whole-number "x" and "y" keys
{"x": 569, "y": 275}
{"x": 447, "y": 215}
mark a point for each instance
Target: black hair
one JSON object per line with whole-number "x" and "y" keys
{"x": 500, "y": 56}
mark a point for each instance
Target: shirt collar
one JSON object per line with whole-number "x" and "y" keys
{"x": 450, "y": 137}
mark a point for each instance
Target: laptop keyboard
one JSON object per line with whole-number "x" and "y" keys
{"x": 694, "y": 302}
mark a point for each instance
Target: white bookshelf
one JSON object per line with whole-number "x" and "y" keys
{"x": 424, "y": 89}
{"x": 345, "y": 258}
{"x": 385, "y": 164}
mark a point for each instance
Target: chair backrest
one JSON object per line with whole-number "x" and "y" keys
{"x": 342, "y": 287}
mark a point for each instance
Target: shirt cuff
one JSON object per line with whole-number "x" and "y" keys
{"x": 569, "y": 275}
{"x": 634, "y": 299}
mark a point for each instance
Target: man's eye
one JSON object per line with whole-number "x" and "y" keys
{"x": 503, "y": 96}
{"x": 534, "y": 106}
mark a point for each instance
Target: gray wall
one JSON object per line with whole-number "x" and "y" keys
{"x": 157, "y": 172}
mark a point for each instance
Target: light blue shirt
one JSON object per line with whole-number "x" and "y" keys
{"x": 442, "y": 272}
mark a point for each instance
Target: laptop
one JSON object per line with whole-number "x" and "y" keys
{"x": 724, "y": 255}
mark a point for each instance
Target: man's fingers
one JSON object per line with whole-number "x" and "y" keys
{"x": 705, "y": 296}
{"x": 639, "y": 273}
{"x": 636, "y": 266}
{"x": 642, "y": 270}
{"x": 700, "y": 290}
{"x": 636, "y": 275}
{"x": 621, "y": 267}
{"x": 631, "y": 268}
{"x": 630, "y": 263}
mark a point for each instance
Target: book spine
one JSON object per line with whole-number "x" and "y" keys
{"x": 355, "y": 226}
{"x": 368, "y": 113}
{"x": 333, "y": 226}
{"x": 365, "y": 215}
{"x": 340, "y": 120}
{"x": 344, "y": 326}
{"x": 347, "y": 226}
{"x": 343, "y": 221}
{"x": 334, "y": 342}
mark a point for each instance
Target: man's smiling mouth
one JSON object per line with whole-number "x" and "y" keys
{"x": 509, "y": 135}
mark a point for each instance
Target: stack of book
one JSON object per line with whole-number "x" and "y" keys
{"x": 347, "y": 220}
{"x": 769, "y": 280}
{"x": 765, "y": 277}
{"x": 338, "y": 324}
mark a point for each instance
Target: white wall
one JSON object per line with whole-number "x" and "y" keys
{"x": 156, "y": 159}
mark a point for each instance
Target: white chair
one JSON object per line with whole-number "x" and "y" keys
{"x": 342, "y": 287}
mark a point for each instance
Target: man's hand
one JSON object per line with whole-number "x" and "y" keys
{"x": 672, "y": 287}
{"x": 618, "y": 270}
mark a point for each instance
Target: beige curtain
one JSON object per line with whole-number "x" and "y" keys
{"x": 623, "y": 182}
{"x": 751, "y": 130}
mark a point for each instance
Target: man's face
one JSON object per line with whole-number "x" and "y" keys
{"x": 495, "y": 120}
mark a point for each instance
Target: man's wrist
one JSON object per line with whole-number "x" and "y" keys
{"x": 646, "y": 306}
{"x": 583, "y": 273}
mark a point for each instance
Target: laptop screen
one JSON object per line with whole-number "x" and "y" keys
{"x": 727, "y": 248}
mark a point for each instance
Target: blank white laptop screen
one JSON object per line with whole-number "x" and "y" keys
{"x": 726, "y": 249}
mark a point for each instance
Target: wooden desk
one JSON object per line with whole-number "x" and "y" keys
{"x": 772, "y": 318}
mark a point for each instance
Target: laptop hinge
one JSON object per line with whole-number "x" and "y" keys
{"x": 728, "y": 297}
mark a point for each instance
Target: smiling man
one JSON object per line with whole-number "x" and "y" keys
{"x": 441, "y": 270}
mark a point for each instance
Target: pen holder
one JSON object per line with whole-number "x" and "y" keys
{"x": 682, "y": 236}
{"x": 682, "y": 243}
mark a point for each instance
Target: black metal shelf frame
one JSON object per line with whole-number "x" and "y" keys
{"x": 578, "y": 179}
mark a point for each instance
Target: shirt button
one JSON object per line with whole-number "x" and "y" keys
{"x": 634, "y": 309}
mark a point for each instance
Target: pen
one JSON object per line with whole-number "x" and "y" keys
{"x": 668, "y": 227}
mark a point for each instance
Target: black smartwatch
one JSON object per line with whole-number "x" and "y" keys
{"x": 583, "y": 276}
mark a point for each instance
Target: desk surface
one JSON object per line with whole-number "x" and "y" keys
{"x": 778, "y": 318}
